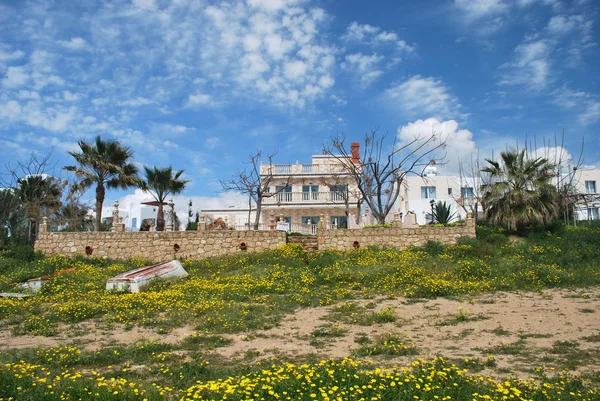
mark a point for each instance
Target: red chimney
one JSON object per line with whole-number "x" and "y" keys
{"x": 355, "y": 146}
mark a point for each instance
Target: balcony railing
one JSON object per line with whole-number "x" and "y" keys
{"x": 291, "y": 169}
{"x": 307, "y": 197}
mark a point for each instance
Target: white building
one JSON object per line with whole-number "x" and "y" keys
{"x": 234, "y": 217}
{"x": 133, "y": 214}
{"x": 418, "y": 193}
{"x": 586, "y": 182}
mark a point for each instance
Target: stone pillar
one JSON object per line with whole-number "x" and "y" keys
{"x": 470, "y": 222}
{"x": 170, "y": 216}
{"x": 202, "y": 224}
{"x": 410, "y": 220}
{"x": 120, "y": 226}
{"x": 272, "y": 223}
{"x": 44, "y": 225}
{"x": 397, "y": 223}
{"x": 115, "y": 216}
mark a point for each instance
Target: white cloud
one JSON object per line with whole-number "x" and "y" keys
{"x": 15, "y": 77}
{"x": 199, "y": 99}
{"x": 11, "y": 56}
{"x": 481, "y": 8}
{"x": 136, "y": 102}
{"x": 418, "y": 95}
{"x": 531, "y": 65}
{"x": 375, "y": 36}
{"x": 587, "y": 105}
{"x": 360, "y": 32}
{"x": 70, "y": 97}
{"x": 74, "y": 44}
{"x": 459, "y": 143}
{"x": 364, "y": 66}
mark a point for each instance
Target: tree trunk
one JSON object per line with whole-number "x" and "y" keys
{"x": 258, "y": 210}
{"x": 380, "y": 219}
{"x": 160, "y": 218}
{"x": 99, "y": 201}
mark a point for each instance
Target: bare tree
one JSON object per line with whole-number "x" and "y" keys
{"x": 256, "y": 183}
{"x": 470, "y": 176}
{"x": 349, "y": 197}
{"x": 382, "y": 168}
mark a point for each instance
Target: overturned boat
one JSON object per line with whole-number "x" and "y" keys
{"x": 133, "y": 280}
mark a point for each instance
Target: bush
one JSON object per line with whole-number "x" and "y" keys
{"x": 378, "y": 226}
{"x": 23, "y": 253}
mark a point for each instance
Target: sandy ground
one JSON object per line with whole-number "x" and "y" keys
{"x": 528, "y": 324}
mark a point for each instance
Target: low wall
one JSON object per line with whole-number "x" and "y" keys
{"x": 397, "y": 237}
{"x": 158, "y": 246}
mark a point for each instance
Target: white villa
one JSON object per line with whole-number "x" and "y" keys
{"x": 323, "y": 187}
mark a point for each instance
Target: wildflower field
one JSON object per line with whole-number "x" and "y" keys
{"x": 244, "y": 296}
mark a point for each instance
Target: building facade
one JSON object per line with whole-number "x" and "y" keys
{"x": 588, "y": 199}
{"x": 419, "y": 192}
{"x": 302, "y": 193}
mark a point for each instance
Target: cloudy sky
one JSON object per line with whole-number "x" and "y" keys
{"x": 200, "y": 84}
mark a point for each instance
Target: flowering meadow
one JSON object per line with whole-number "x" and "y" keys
{"x": 250, "y": 292}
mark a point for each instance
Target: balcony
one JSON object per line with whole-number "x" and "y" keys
{"x": 302, "y": 169}
{"x": 284, "y": 198}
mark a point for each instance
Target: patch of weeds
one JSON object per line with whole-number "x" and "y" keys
{"x": 465, "y": 333}
{"x": 525, "y": 336}
{"x": 592, "y": 339}
{"x": 461, "y": 316}
{"x": 388, "y": 344}
{"x": 411, "y": 301}
{"x": 586, "y": 310}
{"x": 499, "y": 331}
{"x": 36, "y": 325}
{"x": 353, "y": 313}
{"x": 386, "y": 315}
{"x": 516, "y": 348}
{"x": 330, "y": 330}
{"x": 486, "y": 301}
{"x": 475, "y": 364}
{"x": 564, "y": 347}
{"x": 362, "y": 339}
{"x": 207, "y": 342}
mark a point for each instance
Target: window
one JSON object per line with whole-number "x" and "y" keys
{"x": 449, "y": 191}
{"x": 590, "y": 187}
{"x": 338, "y": 192}
{"x": 467, "y": 193}
{"x": 593, "y": 213}
{"x": 284, "y": 194}
{"x": 339, "y": 221}
{"x": 427, "y": 192}
{"x": 310, "y": 192}
{"x": 310, "y": 219}
{"x": 134, "y": 222}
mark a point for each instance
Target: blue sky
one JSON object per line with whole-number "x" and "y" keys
{"x": 200, "y": 84}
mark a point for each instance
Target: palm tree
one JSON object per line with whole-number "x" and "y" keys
{"x": 104, "y": 163}
{"x": 39, "y": 195}
{"x": 520, "y": 192}
{"x": 160, "y": 183}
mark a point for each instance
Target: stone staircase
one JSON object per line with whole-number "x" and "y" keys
{"x": 308, "y": 242}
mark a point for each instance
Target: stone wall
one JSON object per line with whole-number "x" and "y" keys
{"x": 396, "y": 237}
{"x": 158, "y": 246}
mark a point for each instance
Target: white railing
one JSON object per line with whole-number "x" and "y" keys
{"x": 307, "y": 197}
{"x": 250, "y": 227}
{"x": 292, "y": 169}
{"x": 303, "y": 228}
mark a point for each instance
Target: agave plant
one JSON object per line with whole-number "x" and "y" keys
{"x": 442, "y": 213}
